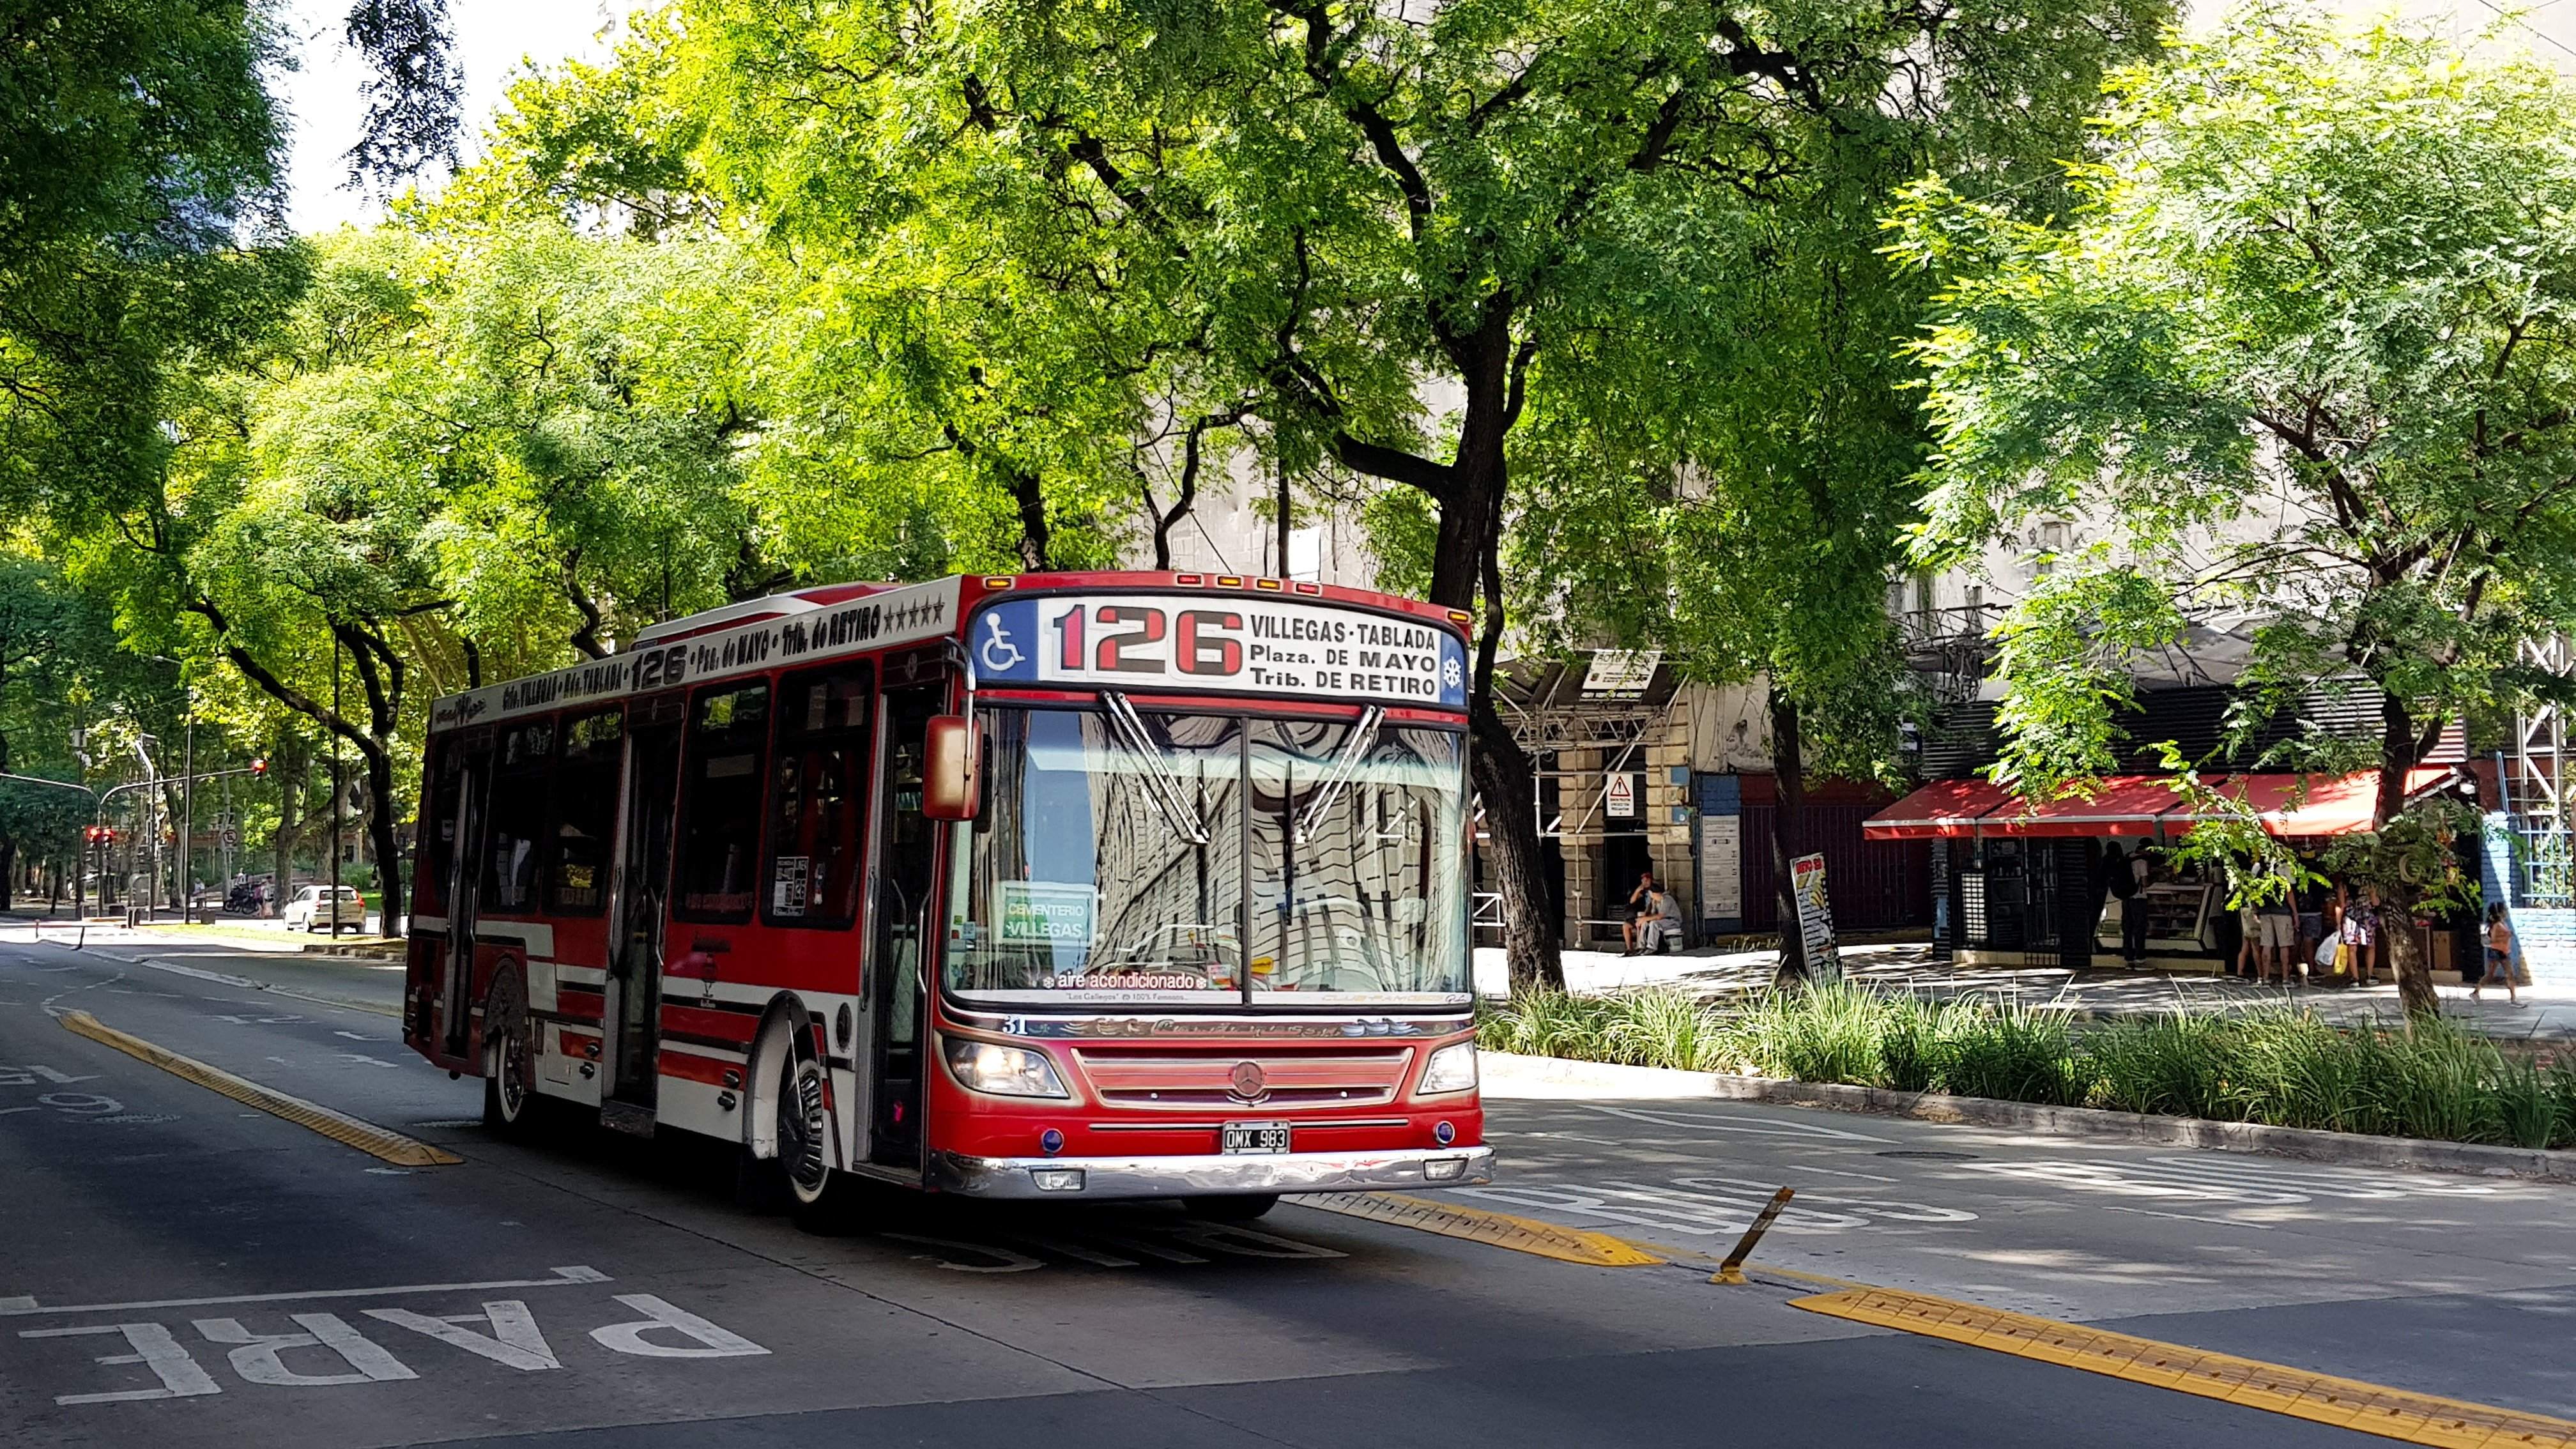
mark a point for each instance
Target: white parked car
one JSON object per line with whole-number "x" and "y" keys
{"x": 315, "y": 909}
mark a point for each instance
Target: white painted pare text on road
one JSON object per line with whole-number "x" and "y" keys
{"x": 325, "y": 1350}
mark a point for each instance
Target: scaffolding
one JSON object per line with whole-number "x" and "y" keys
{"x": 2536, "y": 795}
{"x": 1551, "y": 712}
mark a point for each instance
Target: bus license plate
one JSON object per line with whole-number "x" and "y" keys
{"x": 1255, "y": 1137}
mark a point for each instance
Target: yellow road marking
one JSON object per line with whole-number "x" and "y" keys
{"x": 2345, "y": 1403}
{"x": 1501, "y": 1230}
{"x": 340, "y": 1127}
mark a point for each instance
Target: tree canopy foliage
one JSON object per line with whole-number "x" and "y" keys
{"x": 2304, "y": 352}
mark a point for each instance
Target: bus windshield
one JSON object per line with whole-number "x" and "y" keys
{"x": 1124, "y": 855}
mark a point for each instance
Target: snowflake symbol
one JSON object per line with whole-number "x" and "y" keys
{"x": 1451, "y": 673}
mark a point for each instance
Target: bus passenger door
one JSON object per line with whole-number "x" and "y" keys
{"x": 906, "y": 872}
{"x": 472, "y": 783}
{"x": 643, "y": 898}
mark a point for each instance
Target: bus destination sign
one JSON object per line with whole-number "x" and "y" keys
{"x": 1219, "y": 643}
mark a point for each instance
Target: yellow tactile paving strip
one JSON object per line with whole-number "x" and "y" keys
{"x": 2344, "y": 1403}
{"x": 340, "y": 1127}
{"x": 1501, "y": 1230}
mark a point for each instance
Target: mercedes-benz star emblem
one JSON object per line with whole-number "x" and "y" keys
{"x": 1249, "y": 1083}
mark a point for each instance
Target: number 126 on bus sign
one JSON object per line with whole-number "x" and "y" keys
{"x": 1221, "y": 645}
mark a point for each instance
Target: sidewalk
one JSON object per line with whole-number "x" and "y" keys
{"x": 2548, "y": 1013}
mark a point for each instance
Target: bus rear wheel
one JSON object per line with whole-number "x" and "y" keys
{"x": 509, "y": 1064}
{"x": 1234, "y": 1208}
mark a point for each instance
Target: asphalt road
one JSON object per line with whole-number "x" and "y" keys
{"x": 176, "y": 1269}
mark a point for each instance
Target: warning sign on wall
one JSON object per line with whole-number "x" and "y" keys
{"x": 1619, "y": 797}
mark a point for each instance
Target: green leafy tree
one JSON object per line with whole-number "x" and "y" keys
{"x": 2304, "y": 349}
{"x": 136, "y": 143}
{"x": 1462, "y": 253}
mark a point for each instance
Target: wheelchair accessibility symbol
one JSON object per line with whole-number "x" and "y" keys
{"x": 997, "y": 653}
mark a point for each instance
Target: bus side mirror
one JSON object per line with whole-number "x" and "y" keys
{"x": 948, "y": 767}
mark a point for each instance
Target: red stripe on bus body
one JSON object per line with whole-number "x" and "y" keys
{"x": 730, "y": 1026}
{"x": 580, "y": 1002}
{"x": 689, "y": 1067}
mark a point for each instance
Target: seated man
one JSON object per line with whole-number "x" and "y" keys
{"x": 1637, "y": 911}
{"x": 1662, "y": 922}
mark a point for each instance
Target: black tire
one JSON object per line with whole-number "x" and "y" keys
{"x": 820, "y": 1198}
{"x": 510, "y": 1102}
{"x": 1234, "y": 1208}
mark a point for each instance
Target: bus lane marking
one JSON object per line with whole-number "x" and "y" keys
{"x": 331, "y": 1352}
{"x": 559, "y": 1278}
{"x": 2393, "y": 1413}
{"x": 339, "y": 1126}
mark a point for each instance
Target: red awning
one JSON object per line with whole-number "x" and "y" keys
{"x": 2142, "y": 805}
{"x": 2305, "y": 806}
{"x": 1944, "y": 807}
{"x": 2125, "y": 805}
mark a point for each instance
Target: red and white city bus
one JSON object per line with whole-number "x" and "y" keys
{"x": 1079, "y": 886}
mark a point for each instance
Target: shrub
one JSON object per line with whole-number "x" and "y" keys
{"x": 2172, "y": 1064}
{"x": 2010, "y": 1051}
{"x": 2281, "y": 1066}
{"x": 1666, "y": 1028}
{"x": 1830, "y": 1032}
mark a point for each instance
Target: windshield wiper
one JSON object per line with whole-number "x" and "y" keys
{"x": 1345, "y": 766}
{"x": 1162, "y": 779}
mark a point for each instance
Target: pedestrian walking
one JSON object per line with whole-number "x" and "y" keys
{"x": 2129, "y": 881}
{"x": 2499, "y": 955}
{"x": 2277, "y": 919}
{"x": 2358, "y": 933}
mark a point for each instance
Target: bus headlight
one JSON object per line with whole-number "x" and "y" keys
{"x": 1451, "y": 1069}
{"x": 1004, "y": 1071}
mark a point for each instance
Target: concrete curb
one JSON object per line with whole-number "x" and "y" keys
{"x": 1507, "y": 1074}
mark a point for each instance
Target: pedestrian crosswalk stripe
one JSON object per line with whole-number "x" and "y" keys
{"x": 2345, "y": 1403}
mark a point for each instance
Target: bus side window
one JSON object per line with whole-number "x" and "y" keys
{"x": 720, "y": 790}
{"x": 818, "y": 800}
{"x": 585, "y": 811}
{"x": 523, "y": 764}
{"x": 445, "y": 772}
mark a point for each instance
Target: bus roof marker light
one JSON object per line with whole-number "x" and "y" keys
{"x": 1271, "y": 585}
{"x": 1461, "y": 616}
{"x": 1000, "y": 581}
{"x": 1304, "y": 588}
{"x": 1190, "y": 581}
{"x": 1229, "y": 583}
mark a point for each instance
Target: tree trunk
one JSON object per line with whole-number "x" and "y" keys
{"x": 1509, "y": 789}
{"x": 2397, "y": 747}
{"x": 8, "y": 871}
{"x": 289, "y": 767}
{"x": 380, "y": 835}
{"x": 1467, "y": 563}
{"x": 1788, "y": 828}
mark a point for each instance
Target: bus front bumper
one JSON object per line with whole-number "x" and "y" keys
{"x": 1208, "y": 1176}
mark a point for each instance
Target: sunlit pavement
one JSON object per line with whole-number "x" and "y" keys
{"x": 176, "y": 1269}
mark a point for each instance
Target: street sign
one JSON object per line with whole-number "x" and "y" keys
{"x": 1815, "y": 916}
{"x": 1620, "y": 673}
{"x": 1619, "y": 797}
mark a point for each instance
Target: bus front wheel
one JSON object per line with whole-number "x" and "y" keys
{"x": 1236, "y": 1208}
{"x": 819, "y": 1198}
